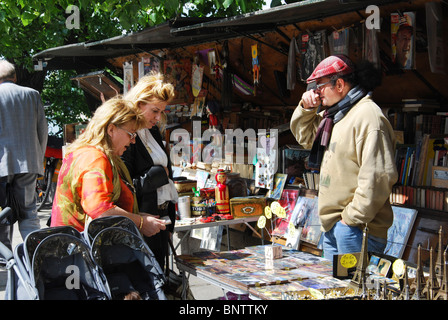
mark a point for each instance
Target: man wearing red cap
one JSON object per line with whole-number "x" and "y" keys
{"x": 352, "y": 144}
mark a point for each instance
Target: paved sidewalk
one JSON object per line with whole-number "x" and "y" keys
{"x": 201, "y": 289}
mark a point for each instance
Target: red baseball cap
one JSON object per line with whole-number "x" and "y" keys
{"x": 332, "y": 65}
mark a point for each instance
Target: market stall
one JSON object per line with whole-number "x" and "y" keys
{"x": 238, "y": 81}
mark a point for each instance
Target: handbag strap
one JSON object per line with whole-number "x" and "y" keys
{"x": 173, "y": 250}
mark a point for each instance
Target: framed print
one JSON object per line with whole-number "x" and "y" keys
{"x": 398, "y": 233}
{"x": 403, "y": 39}
{"x": 211, "y": 55}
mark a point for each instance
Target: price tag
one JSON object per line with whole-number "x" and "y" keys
{"x": 280, "y": 212}
{"x": 274, "y": 206}
{"x": 348, "y": 260}
{"x": 261, "y": 222}
{"x": 398, "y": 267}
{"x": 268, "y": 212}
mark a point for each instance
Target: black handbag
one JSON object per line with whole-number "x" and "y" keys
{"x": 175, "y": 288}
{"x": 7, "y": 199}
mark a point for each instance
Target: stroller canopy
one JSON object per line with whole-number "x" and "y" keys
{"x": 126, "y": 261}
{"x": 61, "y": 266}
{"x": 99, "y": 224}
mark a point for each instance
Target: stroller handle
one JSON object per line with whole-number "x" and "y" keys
{"x": 4, "y": 250}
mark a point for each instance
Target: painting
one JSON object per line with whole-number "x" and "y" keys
{"x": 279, "y": 184}
{"x": 398, "y": 233}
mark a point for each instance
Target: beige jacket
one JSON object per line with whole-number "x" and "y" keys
{"x": 358, "y": 168}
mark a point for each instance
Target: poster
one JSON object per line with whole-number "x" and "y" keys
{"x": 264, "y": 170}
{"x": 180, "y": 72}
{"x": 128, "y": 77}
{"x": 197, "y": 72}
{"x": 339, "y": 42}
{"x": 371, "y": 49}
{"x": 315, "y": 52}
{"x": 403, "y": 40}
{"x": 434, "y": 27}
{"x": 148, "y": 65}
{"x": 288, "y": 202}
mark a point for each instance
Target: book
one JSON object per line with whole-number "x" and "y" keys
{"x": 422, "y": 159}
{"x": 433, "y": 198}
{"x": 419, "y": 104}
{"x": 279, "y": 184}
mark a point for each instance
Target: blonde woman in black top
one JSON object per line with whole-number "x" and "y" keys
{"x": 148, "y": 161}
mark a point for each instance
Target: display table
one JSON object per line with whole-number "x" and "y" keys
{"x": 194, "y": 223}
{"x": 297, "y": 274}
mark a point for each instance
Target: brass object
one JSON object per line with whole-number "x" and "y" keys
{"x": 359, "y": 278}
{"x": 419, "y": 282}
{"x": 432, "y": 285}
{"x": 439, "y": 263}
{"x": 443, "y": 291}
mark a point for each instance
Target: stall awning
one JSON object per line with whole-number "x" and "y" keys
{"x": 190, "y": 31}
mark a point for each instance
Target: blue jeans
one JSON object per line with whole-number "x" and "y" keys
{"x": 343, "y": 239}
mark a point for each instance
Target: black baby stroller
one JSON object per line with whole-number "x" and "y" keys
{"x": 53, "y": 264}
{"x": 125, "y": 259}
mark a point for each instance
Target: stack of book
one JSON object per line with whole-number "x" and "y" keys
{"x": 422, "y": 197}
{"x": 423, "y": 174}
{"x": 420, "y": 105}
{"x": 311, "y": 179}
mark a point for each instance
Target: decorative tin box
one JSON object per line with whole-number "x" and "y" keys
{"x": 241, "y": 207}
{"x": 183, "y": 186}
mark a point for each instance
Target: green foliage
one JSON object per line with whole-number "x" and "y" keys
{"x": 221, "y": 8}
{"x": 64, "y": 103}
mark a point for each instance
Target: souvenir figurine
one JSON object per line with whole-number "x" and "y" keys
{"x": 221, "y": 193}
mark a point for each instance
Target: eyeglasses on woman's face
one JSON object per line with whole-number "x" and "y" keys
{"x": 132, "y": 135}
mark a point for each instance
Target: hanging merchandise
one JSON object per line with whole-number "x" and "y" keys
{"x": 128, "y": 76}
{"x": 371, "y": 51}
{"x": 264, "y": 172}
{"x": 255, "y": 65}
{"x": 196, "y": 82}
{"x": 339, "y": 42}
{"x": 198, "y": 104}
{"x": 435, "y": 29}
{"x": 315, "y": 52}
{"x": 291, "y": 77}
{"x": 180, "y": 72}
{"x": 303, "y": 44}
{"x": 147, "y": 65}
{"x": 266, "y": 161}
{"x": 241, "y": 86}
{"x": 214, "y": 64}
{"x": 403, "y": 39}
{"x": 227, "y": 86}
{"x": 212, "y": 109}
